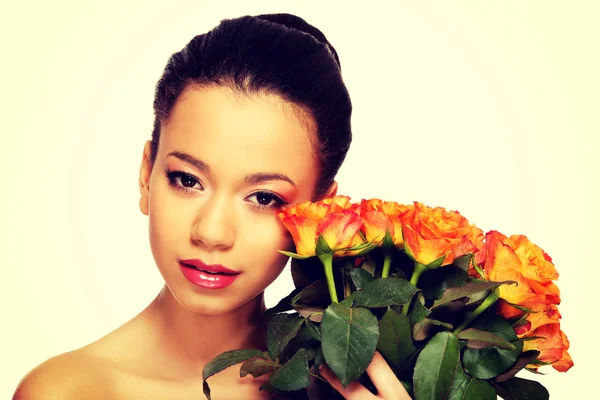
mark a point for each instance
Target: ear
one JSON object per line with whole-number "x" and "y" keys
{"x": 144, "y": 181}
{"x": 332, "y": 191}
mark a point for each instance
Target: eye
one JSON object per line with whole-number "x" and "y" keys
{"x": 266, "y": 201}
{"x": 183, "y": 181}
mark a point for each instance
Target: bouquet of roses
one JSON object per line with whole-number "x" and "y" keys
{"x": 455, "y": 312}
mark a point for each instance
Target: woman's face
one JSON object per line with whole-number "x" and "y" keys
{"x": 225, "y": 166}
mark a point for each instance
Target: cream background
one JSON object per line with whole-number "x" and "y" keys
{"x": 488, "y": 108}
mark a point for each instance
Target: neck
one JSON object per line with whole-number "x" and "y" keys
{"x": 190, "y": 340}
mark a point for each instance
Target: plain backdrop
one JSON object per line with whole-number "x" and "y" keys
{"x": 489, "y": 108}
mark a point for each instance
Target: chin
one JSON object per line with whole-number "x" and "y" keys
{"x": 212, "y": 305}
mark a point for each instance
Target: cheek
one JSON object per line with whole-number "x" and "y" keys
{"x": 262, "y": 244}
{"x": 166, "y": 222}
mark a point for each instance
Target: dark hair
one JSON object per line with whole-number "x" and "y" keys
{"x": 276, "y": 54}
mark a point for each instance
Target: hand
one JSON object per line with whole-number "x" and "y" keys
{"x": 388, "y": 385}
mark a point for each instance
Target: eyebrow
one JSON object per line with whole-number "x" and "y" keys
{"x": 251, "y": 179}
{"x": 199, "y": 164}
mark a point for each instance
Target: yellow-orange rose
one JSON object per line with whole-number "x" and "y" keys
{"x": 509, "y": 261}
{"x": 519, "y": 260}
{"x": 503, "y": 264}
{"x": 379, "y": 216}
{"x": 553, "y": 346}
{"x": 330, "y": 218}
{"x": 431, "y": 233}
{"x": 537, "y": 264}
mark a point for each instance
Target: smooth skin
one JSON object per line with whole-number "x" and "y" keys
{"x": 226, "y": 164}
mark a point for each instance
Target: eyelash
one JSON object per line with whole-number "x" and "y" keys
{"x": 172, "y": 176}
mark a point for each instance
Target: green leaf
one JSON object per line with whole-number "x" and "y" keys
{"x": 478, "y": 389}
{"x": 305, "y": 338}
{"x": 424, "y": 328}
{"x": 435, "y": 282}
{"x": 364, "y": 248}
{"x": 293, "y": 375}
{"x": 436, "y": 263}
{"x": 322, "y": 246}
{"x": 521, "y": 389}
{"x": 388, "y": 240}
{"x": 349, "y": 301}
{"x": 225, "y": 360}
{"x": 418, "y": 310}
{"x": 467, "y": 290}
{"x": 360, "y": 277}
{"x": 436, "y": 367}
{"x": 528, "y": 338}
{"x": 313, "y": 313}
{"x": 395, "y": 338}
{"x": 477, "y": 339}
{"x": 313, "y": 331}
{"x": 385, "y": 292}
{"x": 275, "y": 393}
{"x": 311, "y": 352}
{"x": 475, "y": 297}
{"x": 459, "y": 385}
{"x": 283, "y": 305}
{"x": 294, "y": 255}
{"x": 463, "y": 261}
{"x": 257, "y": 366}
{"x": 466, "y": 387}
{"x": 478, "y": 268}
{"x": 280, "y": 330}
{"x": 314, "y": 294}
{"x": 348, "y": 338}
{"x": 490, "y": 362}
{"x": 524, "y": 359}
{"x": 319, "y": 359}
{"x": 524, "y": 309}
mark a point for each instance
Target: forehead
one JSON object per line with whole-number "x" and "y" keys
{"x": 240, "y": 133}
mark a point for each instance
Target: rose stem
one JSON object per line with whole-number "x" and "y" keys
{"x": 387, "y": 262}
{"x": 327, "y": 260}
{"x": 489, "y": 300}
{"x": 417, "y": 272}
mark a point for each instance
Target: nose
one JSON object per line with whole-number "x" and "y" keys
{"x": 214, "y": 226}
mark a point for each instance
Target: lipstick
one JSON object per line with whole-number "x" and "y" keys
{"x": 214, "y": 276}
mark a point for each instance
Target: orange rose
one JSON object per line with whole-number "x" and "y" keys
{"x": 537, "y": 264}
{"x": 547, "y": 315}
{"x": 553, "y": 346}
{"x": 547, "y": 290}
{"x": 503, "y": 264}
{"x": 379, "y": 216}
{"x": 519, "y": 260}
{"x": 330, "y": 218}
{"x": 565, "y": 362}
{"x": 432, "y": 233}
{"x": 509, "y": 261}
{"x": 341, "y": 230}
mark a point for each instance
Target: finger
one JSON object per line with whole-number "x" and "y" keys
{"x": 387, "y": 383}
{"x": 354, "y": 390}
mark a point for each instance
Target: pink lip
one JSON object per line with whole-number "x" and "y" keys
{"x": 214, "y": 268}
{"x": 220, "y": 277}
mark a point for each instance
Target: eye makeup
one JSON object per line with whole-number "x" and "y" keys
{"x": 180, "y": 180}
{"x": 184, "y": 182}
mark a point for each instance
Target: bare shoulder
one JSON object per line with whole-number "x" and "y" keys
{"x": 72, "y": 375}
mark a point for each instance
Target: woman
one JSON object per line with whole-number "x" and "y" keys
{"x": 250, "y": 117}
